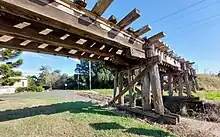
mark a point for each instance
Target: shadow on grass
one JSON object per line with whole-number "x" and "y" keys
{"x": 72, "y": 107}
{"x": 106, "y": 126}
{"x": 136, "y": 131}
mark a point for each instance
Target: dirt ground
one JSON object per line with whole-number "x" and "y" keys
{"x": 188, "y": 127}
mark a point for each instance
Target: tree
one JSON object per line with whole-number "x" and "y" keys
{"x": 7, "y": 72}
{"x": 101, "y": 76}
{"x": 49, "y": 78}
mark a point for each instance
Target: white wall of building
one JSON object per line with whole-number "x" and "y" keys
{"x": 11, "y": 89}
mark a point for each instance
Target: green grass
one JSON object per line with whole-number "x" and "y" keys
{"x": 104, "y": 91}
{"x": 209, "y": 95}
{"x": 108, "y": 92}
{"x": 45, "y": 117}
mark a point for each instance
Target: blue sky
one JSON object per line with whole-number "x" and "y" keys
{"x": 192, "y": 33}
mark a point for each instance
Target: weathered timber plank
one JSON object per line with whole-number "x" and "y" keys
{"x": 113, "y": 19}
{"x": 131, "y": 17}
{"x": 180, "y": 82}
{"x": 52, "y": 40}
{"x": 164, "y": 118}
{"x": 146, "y": 92}
{"x": 162, "y": 82}
{"x": 82, "y": 3}
{"x": 142, "y": 30}
{"x": 130, "y": 29}
{"x": 115, "y": 83}
{"x": 170, "y": 83}
{"x": 33, "y": 47}
{"x": 120, "y": 84}
{"x": 156, "y": 37}
{"x": 130, "y": 88}
{"x": 12, "y": 20}
{"x": 155, "y": 80}
{"x": 101, "y": 6}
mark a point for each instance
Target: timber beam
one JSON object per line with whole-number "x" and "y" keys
{"x": 50, "y": 49}
{"x": 101, "y": 6}
{"x": 127, "y": 20}
{"x": 164, "y": 118}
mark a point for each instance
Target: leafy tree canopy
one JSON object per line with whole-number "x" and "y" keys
{"x": 7, "y": 69}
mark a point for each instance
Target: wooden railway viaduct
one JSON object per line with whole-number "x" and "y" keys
{"x": 65, "y": 28}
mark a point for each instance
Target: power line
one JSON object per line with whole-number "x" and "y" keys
{"x": 200, "y": 21}
{"x": 178, "y": 11}
{"x": 205, "y": 7}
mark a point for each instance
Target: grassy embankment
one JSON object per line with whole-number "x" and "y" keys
{"x": 210, "y": 86}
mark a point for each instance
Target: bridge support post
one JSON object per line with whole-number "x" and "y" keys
{"x": 154, "y": 79}
{"x": 131, "y": 89}
{"x": 120, "y": 87}
{"x": 170, "y": 83}
{"x": 115, "y": 83}
{"x": 186, "y": 80}
{"x": 146, "y": 93}
{"x": 162, "y": 83}
{"x": 180, "y": 85}
{"x": 193, "y": 79}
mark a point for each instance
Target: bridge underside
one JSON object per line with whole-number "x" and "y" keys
{"x": 57, "y": 28}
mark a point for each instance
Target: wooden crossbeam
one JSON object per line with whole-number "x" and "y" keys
{"x": 142, "y": 30}
{"x": 165, "y": 118}
{"x": 131, "y": 17}
{"x": 156, "y": 37}
{"x": 113, "y": 19}
{"x": 52, "y": 40}
{"x": 33, "y": 47}
{"x": 82, "y": 3}
{"x": 101, "y": 6}
{"x": 130, "y": 29}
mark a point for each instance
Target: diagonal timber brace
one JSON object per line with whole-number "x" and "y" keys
{"x": 136, "y": 79}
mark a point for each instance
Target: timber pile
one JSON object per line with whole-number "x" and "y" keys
{"x": 67, "y": 28}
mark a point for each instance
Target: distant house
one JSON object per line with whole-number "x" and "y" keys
{"x": 22, "y": 83}
{"x": 11, "y": 89}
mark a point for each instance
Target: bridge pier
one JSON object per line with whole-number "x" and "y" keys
{"x": 154, "y": 79}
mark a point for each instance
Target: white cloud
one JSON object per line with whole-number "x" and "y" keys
{"x": 27, "y": 72}
{"x": 36, "y": 55}
{"x": 76, "y": 60}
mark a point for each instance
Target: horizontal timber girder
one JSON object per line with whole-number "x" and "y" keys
{"x": 29, "y": 33}
{"x": 33, "y": 47}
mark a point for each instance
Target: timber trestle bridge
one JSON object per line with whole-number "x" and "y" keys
{"x": 143, "y": 65}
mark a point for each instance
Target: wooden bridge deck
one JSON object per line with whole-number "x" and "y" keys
{"x": 67, "y": 29}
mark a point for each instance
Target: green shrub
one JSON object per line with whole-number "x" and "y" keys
{"x": 39, "y": 89}
{"x": 22, "y": 89}
{"x": 29, "y": 89}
